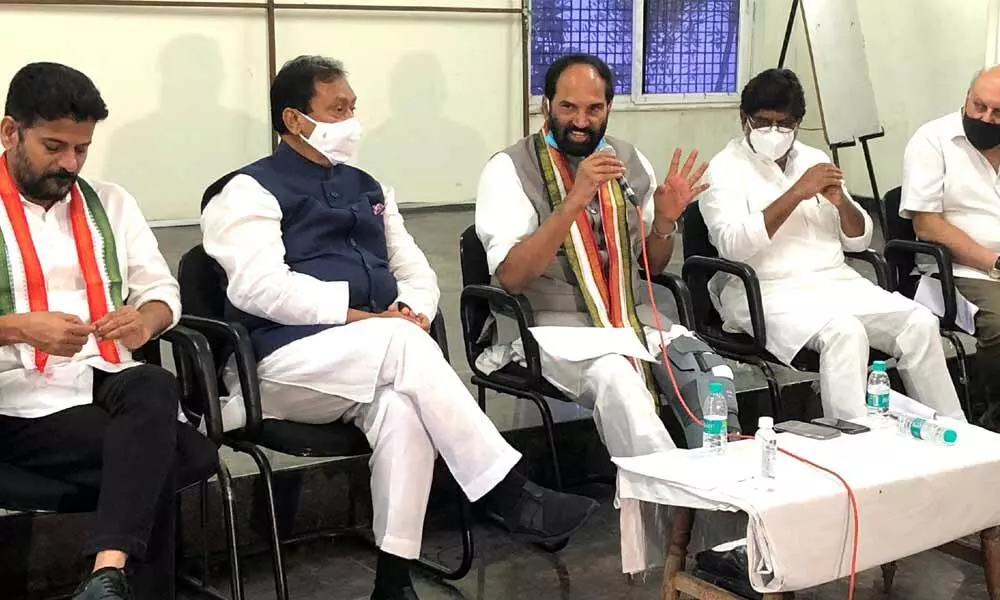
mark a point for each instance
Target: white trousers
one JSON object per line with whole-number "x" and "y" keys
{"x": 912, "y": 337}
{"x": 419, "y": 408}
{"x": 624, "y": 411}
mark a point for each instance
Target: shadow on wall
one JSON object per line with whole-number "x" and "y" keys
{"x": 167, "y": 158}
{"x": 419, "y": 151}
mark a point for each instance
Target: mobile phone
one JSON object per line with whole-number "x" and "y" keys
{"x": 816, "y": 432}
{"x": 841, "y": 425}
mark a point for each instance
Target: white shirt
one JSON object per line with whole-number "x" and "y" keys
{"x": 804, "y": 279}
{"x": 242, "y": 231}
{"x": 944, "y": 173}
{"x": 743, "y": 184}
{"x": 505, "y": 214}
{"x": 68, "y": 382}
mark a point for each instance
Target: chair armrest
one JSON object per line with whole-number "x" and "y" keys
{"x": 246, "y": 363}
{"x": 681, "y": 293}
{"x": 189, "y": 343}
{"x": 697, "y": 272}
{"x": 896, "y": 253}
{"x": 507, "y": 304}
{"x": 882, "y": 275}
{"x": 440, "y": 334}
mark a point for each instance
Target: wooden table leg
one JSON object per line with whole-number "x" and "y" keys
{"x": 888, "y": 575}
{"x": 677, "y": 548}
{"x": 991, "y": 560}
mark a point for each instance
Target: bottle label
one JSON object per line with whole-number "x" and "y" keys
{"x": 878, "y": 400}
{"x": 715, "y": 426}
{"x": 916, "y": 427}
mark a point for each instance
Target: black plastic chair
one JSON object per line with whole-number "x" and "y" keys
{"x": 25, "y": 491}
{"x": 901, "y": 251}
{"x": 203, "y": 288}
{"x": 480, "y": 299}
{"x": 702, "y": 262}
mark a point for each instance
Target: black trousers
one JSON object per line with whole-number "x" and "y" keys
{"x": 128, "y": 445}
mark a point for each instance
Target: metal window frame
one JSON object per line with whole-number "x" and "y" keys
{"x": 641, "y": 101}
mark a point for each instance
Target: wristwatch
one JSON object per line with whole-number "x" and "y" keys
{"x": 994, "y": 271}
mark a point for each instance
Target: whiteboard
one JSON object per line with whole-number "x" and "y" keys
{"x": 840, "y": 64}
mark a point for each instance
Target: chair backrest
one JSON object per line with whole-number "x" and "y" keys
{"x": 697, "y": 243}
{"x": 203, "y": 284}
{"x": 203, "y": 294}
{"x": 472, "y": 257}
{"x": 695, "y": 235}
{"x": 474, "y": 312}
{"x": 898, "y": 227}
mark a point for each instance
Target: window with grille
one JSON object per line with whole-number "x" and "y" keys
{"x": 659, "y": 50}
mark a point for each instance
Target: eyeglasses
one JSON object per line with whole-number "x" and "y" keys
{"x": 785, "y": 126}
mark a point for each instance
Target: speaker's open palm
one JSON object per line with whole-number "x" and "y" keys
{"x": 680, "y": 187}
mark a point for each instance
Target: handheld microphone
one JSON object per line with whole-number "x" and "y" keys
{"x": 627, "y": 190}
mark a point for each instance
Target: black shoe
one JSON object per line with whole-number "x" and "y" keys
{"x": 543, "y": 516}
{"x": 406, "y": 593}
{"x": 108, "y": 583}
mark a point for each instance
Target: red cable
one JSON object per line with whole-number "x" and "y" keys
{"x": 677, "y": 392}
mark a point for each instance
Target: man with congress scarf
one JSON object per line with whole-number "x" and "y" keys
{"x": 82, "y": 284}
{"x": 559, "y": 227}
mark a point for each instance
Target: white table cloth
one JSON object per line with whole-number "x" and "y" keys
{"x": 912, "y": 496}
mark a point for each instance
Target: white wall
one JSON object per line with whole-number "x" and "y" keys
{"x": 921, "y": 56}
{"x": 438, "y": 94}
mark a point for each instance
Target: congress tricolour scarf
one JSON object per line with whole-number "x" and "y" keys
{"x": 22, "y": 282}
{"x": 607, "y": 294}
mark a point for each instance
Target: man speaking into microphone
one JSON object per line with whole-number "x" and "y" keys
{"x": 554, "y": 214}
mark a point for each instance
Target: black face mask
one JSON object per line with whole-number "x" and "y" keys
{"x": 982, "y": 135}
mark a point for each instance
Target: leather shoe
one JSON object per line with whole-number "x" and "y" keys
{"x": 107, "y": 583}
{"x": 544, "y": 516}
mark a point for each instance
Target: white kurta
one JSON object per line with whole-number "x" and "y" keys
{"x": 384, "y": 375}
{"x": 804, "y": 280}
{"x": 68, "y": 382}
{"x": 606, "y": 383}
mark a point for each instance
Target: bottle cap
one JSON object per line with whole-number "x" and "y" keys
{"x": 715, "y": 388}
{"x": 878, "y": 365}
{"x": 765, "y": 423}
{"x": 950, "y": 436}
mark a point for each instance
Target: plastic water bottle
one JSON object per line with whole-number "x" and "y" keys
{"x": 877, "y": 399}
{"x": 767, "y": 439}
{"x": 716, "y": 412}
{"x": 922, "y": 429}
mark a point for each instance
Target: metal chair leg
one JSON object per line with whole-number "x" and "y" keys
{"x": 481, "y": 397}
{"x": 267, "y": 478}
{"x": 550, "y": 438}
{"x": 203, "y": 517}
{"x": 774, "y": 390}
{"x": 468, "y": 548}
{"x": 229, "y": 512}
{"x": 963, "y": 371}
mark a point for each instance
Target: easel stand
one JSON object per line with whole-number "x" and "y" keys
{"x": 834, "y": 148}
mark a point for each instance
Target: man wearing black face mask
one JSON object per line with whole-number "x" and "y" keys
{"x": 558, "y": 228}
{"x": 951, "y": 190}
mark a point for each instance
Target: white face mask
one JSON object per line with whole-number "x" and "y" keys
{"x": 770, "y": 142}
{"x": 338, "y": 141}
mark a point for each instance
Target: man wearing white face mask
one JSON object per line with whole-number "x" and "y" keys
{"x": 779, "y": 206}
{"x": 336, "y": 296}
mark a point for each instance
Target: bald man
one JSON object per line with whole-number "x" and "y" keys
{"x": 951, "y": 190}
